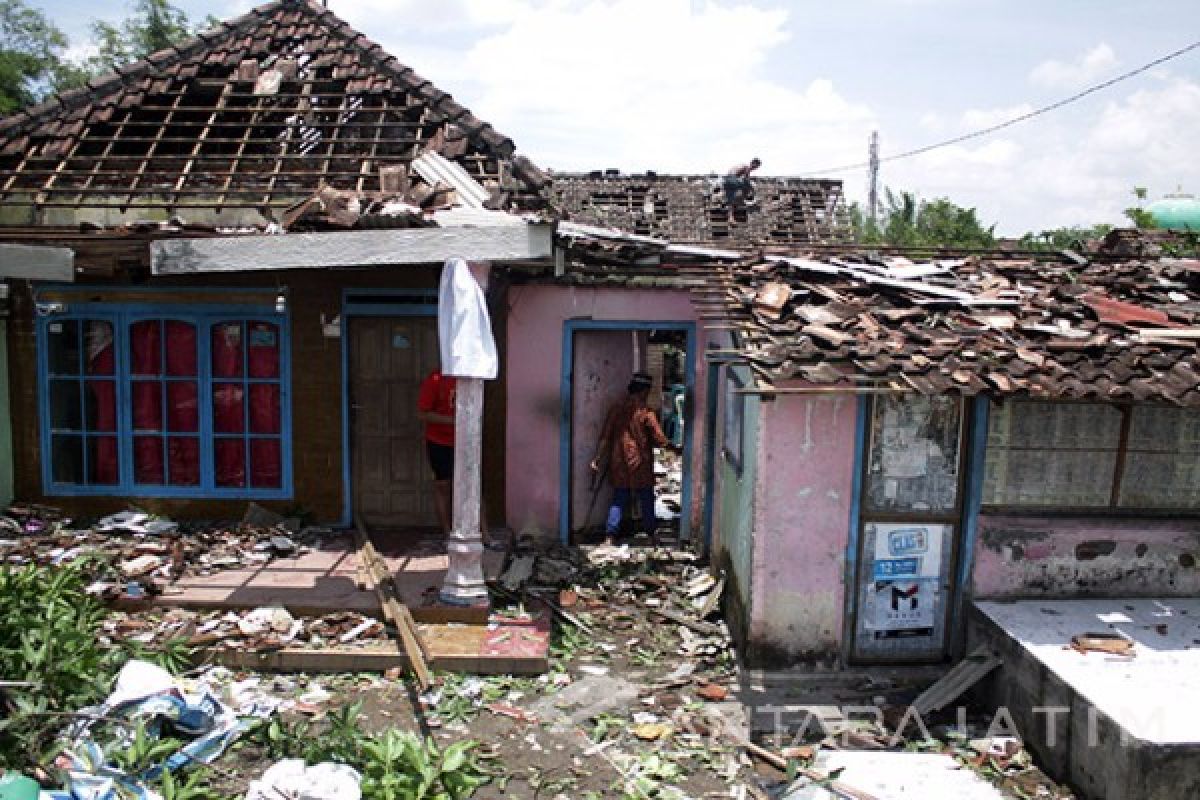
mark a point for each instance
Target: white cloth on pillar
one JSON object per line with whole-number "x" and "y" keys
{"x": 464, "y": 327}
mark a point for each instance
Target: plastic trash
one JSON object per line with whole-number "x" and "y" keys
{"x": 291, "y": 779}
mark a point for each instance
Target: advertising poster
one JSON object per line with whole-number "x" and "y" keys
{"x": 903, "y": 593}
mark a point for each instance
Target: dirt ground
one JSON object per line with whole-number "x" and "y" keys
{"x": 635, "y": 705}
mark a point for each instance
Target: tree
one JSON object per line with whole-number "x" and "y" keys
{"x": 154, "y": 25}
{"x": 1138, "y": 215}
{"x": 910, "y": 222}
{"x": 31, "y": 49}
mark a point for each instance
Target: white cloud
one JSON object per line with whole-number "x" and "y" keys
{"x": 672, "y": 85}
{"x": 1070, "y": 168}
{"x": 1095, "y": 63}
{"x": 978, "y": 118}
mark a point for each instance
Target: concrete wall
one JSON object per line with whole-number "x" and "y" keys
{"x": 1022, "y": 556}
{"x": 533, "y": 367}
{"x": 733, "y": 516}
{"x": 802, "y": 506}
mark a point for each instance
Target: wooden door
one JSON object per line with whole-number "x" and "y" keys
{"x": 392, "y": 483}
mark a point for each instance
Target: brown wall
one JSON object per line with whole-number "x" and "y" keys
{"x": 316, "y": 390}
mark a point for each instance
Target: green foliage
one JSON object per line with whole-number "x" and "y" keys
{"x": 50, "y": 635}
{"x": 154, "y": 25}
{"x": 1139, "y": 216}
{"x": 31, "y": 49}
{"x": 398, "y": 765}
{"x": 395, "y": 765}
{"x": 909, "y": 222}
{"x": 1055, "y": 239}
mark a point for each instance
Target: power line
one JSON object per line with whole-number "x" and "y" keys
{"x": 1015, "y": 120}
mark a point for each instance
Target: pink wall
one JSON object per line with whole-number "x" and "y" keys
{"x": 534, "y": 363}
{"x": 1020, "y": 556}
{"x": 802, "y": 501}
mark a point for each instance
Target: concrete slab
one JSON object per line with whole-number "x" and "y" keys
{"x": 323, "y": 580}
{"x": 1118, "y": 728}
{"x": 899, "y": 776}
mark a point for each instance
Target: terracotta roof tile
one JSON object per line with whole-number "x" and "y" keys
{"x": 231, "y": 136}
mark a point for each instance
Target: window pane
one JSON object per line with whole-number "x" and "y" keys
{"x": 145, "y": 347}
{"x": 101, "y": 398}
{"x": 66, "y": 459}
{"x": 101, "y": 355}
{"x": 62, "y": 346}
{"x": 183, "y": 409}
{"x": 1162, "y": 462}
{"x": 265, "y": 464}
{"x": 264, "y": 350}
{"x": 65, "y": 413}
{"x": 227, "y": 350}
{"x": 264, "y": 408}
{"x": 102, "y": 460}
{"x": 181, "y": 348}
{"x": 183, "y": 460}
{"x": 148, "y": 459}
{"x": 230, "y": 457}
{"x": 913, "y": 464}
{"x": 147, "y": 405}
{"x": 1051, "y": 454}
{"x": 228, "y": 416}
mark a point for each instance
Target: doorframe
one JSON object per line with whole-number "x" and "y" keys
{"x": 570, "y": 328}
{"x": 352, "y": 306}
{"x": 972, "y": 450}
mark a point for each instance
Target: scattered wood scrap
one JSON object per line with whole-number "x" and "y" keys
{"x": 965, "y": 674}
{"x": 381, "y": 580}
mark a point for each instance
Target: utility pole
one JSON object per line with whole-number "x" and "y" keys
{"x": 873, "y": 178}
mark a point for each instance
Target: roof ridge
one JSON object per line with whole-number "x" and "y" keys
{"x": 374, "y": 52}
{"x": 136, "y": 69}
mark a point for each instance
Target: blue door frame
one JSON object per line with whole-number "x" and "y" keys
{"x": 570, "y": 327}
{"x": 973, "y": 461}
{"x": 358, "y": 303}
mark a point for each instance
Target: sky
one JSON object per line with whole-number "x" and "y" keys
{"x": 697, "y": 86}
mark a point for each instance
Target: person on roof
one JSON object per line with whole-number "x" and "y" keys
{"x": 627, "y": 441}
{"x": 736, "y": 183}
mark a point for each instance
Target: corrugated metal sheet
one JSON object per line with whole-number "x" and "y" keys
{"x": 435, "y": 168}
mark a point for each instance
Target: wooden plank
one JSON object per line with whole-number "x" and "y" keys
{"x": 382, "y": 581}
{"x": 350, "y": 249}
{"x": 965, "y": 674}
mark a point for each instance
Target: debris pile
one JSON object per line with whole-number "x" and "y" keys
{"x": 259, "y": 630}
{"x": 134, "y": 554}
{"x": 1007, "y": 326}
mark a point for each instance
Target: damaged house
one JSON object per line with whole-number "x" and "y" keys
{"x": 252, "y": 226}
{"x": 221, "y": 265}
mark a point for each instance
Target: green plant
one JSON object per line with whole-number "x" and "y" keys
{"x": 49, "y": 635}
{"x": 398, "y": 765}
{"x": 337, "y": 737}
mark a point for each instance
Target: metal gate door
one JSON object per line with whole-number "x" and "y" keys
{"x": 910, "y": 525}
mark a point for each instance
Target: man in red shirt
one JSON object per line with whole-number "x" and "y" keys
{"x": 435, "y": 408}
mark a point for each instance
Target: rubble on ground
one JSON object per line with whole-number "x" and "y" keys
{"x": 258, "y": 630}
{"x": 148, "y": 550}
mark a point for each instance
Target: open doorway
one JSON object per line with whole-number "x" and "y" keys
{"x": 599, "y": 360}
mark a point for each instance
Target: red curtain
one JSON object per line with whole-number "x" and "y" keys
{"x": 101, "y": 360}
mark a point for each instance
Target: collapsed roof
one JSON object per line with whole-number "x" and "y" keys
{"x": 259, "y": 112}
{"x": 691, "y": 209}
{"x": 1115, "y": 332}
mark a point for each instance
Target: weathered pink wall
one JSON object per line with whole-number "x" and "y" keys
{"x": 802, "y": 507}
{"x": 1020, "y": 556}
{"x": 534, "y": 363}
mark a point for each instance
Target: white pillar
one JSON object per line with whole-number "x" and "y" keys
{"x": 465, "y": 585}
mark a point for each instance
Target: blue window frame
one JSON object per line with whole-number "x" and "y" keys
{"x": 165, "y": 401}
